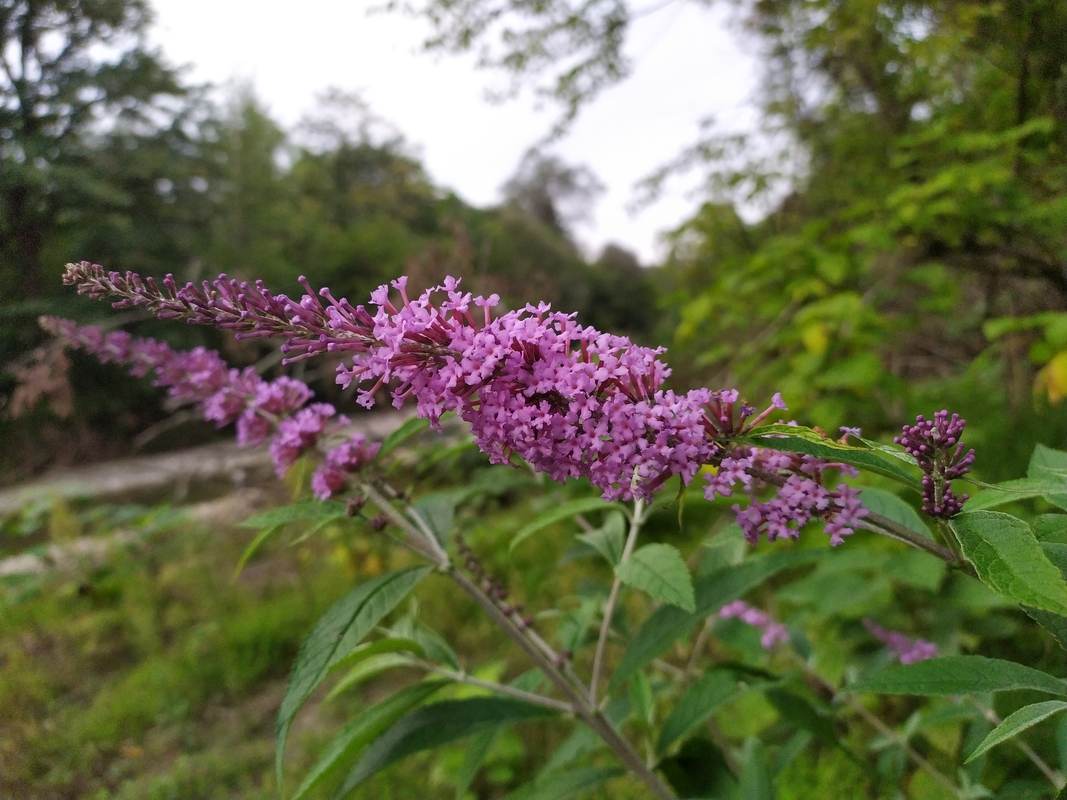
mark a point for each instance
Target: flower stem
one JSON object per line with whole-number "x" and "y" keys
{"x": 613, "y": 596}
{"x": 590, "y": 715}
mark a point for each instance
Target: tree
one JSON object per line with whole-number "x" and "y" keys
{"x": 57, "y": 94}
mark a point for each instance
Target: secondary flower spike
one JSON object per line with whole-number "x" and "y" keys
{"x": 570, "y": 400}
{"x": 224, "y": 395}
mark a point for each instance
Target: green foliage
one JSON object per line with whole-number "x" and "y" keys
{"x": 341, "y": 629}
{"x": 659, "y": 570}
{"x": 1010, "y": 560}
{"x": 437, "y": 724}
{"x": 366, "y": 727}
{"x": 1024, "y": 718}
{"x": 959, "y": 675}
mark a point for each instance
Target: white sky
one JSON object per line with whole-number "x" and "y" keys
{"x": 689, "y": 63}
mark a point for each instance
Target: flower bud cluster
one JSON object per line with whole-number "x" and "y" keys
{"x": 773, "y": 633}
{"x": 908, "y": 651}
{"x": 492, "y": 586}
{"x": 225, "y": 395}
{"x": 936, "y": 445}
{"x": 569, "y": 400}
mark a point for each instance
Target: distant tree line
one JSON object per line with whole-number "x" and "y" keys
{"x": 108, "y": 154}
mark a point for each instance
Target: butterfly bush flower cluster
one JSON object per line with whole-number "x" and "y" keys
{"x": 533, "y": 383}
{"x": 772, "y": 632}
{"x": 224, "y": 395}
{"x": 936, "y": 445}
{"x": 906, "y": 650}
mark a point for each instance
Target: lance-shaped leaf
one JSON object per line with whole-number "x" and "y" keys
{"x": 808, "y": 442}
{"x": 711, "y": 592}
{"x": 1009, "y": 559}
{"x": 659, "y": 570}
{"x": 436, "y": 725}
{"x": 701, "y": 700}
{"x": 609, "y": 539}
{"x": 296, "y": 512}
{"x": 1012, "y": 491}
{"x": 893, "y": 508}
{"x": 564, "y": 785}
{"x": 403, "y": 433}
{"x": 959, "y": 675}
{"x": 559, "y": 513}
{"x": 438, "y": 512}
{"x": 1016, "y": 723}
{"x": 342, "y": 627}
{"x": 368, "y": 725}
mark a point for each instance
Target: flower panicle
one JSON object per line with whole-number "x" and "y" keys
{"x": 261, "y": 409}
{"x": 568, "y": 399}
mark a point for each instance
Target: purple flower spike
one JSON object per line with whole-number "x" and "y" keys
{"x": 936, "y": 446}
{"x": 908, "y": 651}
{"x": 569, "y": 400}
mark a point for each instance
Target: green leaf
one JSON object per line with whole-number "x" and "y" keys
{"x": 296, "y": 512}
{"x": 438, "y": 724}
{"x": 1056, "y": 553}
{"x": 560, "y": 513}
{"x": 799, "y": 711}
{"x": 1009, "y": 559}
{"x": 394, "y": 644}
{"x": 659, "y": 570}
{"x": 1016, "y": 723}
{"x": 787, "y": 439}
{"x": 403, "y": 433}
{"x": 754, "y": 782}
{"x": 366, "y": 669}
{"x": 438, "y": 512}
{"x": 254, "y": 546}
{"x": 564, "y": 785}
{"x": 433, "y": 646}
{"x": 711, "y": 592}
{"x": 315, "y": 528}
{"x": 959, "y": 675}
{"x": 1048, "y": 463}
{"x": 342, "y": 627}
{"x": 1012, "y": 491}
{"x": 581, "y": 741}
{"x": 1051, "y": 528}
{"x": 701, "y": 700}
{"x": 367, "y": 726}
{"x": 474, "y": 756}
{"x": 1055, "y": 624}
{"x": 609, "y": 539}
{"x": 893, "y": 508}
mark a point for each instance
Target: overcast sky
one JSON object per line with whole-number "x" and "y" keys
{"x": 690, "y": 62}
